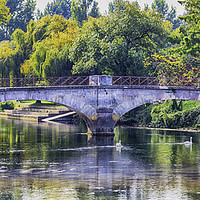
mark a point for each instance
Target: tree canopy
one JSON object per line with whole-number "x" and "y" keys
{"x": 59, "y": 7}
{"x": 22, "y": 11}
{"x": 4, "y": 12}
{"x": 167, "y": 13}
{"x": 116, "y": 44}
{"x": 81, "y": 9}
{"x": 182, "y": 59}
{"x": 190, "y": 33}
{"x": 128, "y": 40}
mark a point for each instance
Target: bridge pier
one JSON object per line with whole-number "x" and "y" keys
{"x": 104, "y": 123}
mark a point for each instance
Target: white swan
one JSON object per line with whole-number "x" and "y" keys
{"x": 119, "y": 144}
{"x": 188, "y": 142}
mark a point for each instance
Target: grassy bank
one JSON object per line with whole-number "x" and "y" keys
{"x": 169, "y": 114}
{"x": 11, "y": 105}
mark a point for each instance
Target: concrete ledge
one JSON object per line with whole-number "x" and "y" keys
{"x": 20, "y": 117}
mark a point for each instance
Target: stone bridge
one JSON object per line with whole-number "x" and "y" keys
{"x": 100, "y": 104}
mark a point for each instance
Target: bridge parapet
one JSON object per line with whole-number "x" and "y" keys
{"x": 99, "y": 80}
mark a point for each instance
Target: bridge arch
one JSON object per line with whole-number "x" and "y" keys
{"x": 141, "y": 96}
{"x": 68, "y": 97}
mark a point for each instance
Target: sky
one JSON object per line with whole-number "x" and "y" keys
{"x": 103, "y": 4}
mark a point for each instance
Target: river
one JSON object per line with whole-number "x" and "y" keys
{"x": 59, "y": 161}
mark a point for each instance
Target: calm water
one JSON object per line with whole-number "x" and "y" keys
{"x": 59, "y": 161}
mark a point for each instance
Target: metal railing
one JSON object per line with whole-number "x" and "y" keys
{"x": 84, "y": 80}
{"x": 155, "y": 81}
{"x": 51, "y": 81}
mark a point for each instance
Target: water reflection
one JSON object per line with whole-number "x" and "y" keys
{"x": 59, "y": 161}
{"x": 100, "y": 140}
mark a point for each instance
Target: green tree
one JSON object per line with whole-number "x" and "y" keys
{"x": 174, "y": 66}
{"x": 183, "y": 59}
{"x": 40, "y": 51}
{"x": 116, "y": 5}
{"x": 59, "y": 7}
{"x": 189, "y": 35}
{"x": 81, "y": 9}
{"x": 94, "y": 12}
{"x": 167, "y": 13}
{"x": 4, "y": 12}
{"x": 22, "y": 11}
{"x": 51, "y": 37}
{"x": 6, "y": 60}
{"x": 116, "y": 44}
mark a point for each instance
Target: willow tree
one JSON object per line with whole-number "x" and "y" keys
{"x": 51, "y": 38}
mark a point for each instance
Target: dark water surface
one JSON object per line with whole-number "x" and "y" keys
{"x": 59, "y": 161}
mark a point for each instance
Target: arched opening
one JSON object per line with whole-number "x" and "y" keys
{"x": 39, "y": 110}
{"x": 172, "y": 113}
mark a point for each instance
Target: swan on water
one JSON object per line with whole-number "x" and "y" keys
{"x": 119, "y": 144}
{"x": 188, "y": 142}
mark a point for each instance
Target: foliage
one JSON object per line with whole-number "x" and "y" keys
{"x": 4, "y": 12}
{"x": 41, "y": 51}
{"x": 183, "y": 61}
{"x": 81, "y": 9}
{"x": 22, "y": 11}
{"x": 116, "y": 6}
{"x": 116, "y": 44}
{"x": 162, "y": 114}
{"x": 167, "y": 116}
{"x": 140, "y": 116}
{"x": 168, "y": 14}
{"x": 190, "y": 32}
{"x": 59, "y": 7}
{"x": 170, "y": 114}
{"x": 7, "y": 105}
{"x": 188, "y": 118}
{"x": 9, "y": 60}
{"x": 52, "y": 37}
{"x": 174, "y": 66}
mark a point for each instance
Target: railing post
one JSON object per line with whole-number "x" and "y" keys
{"x": 100, "y": 80}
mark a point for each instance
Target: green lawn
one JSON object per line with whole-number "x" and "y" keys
{"x": 33, "y": 102}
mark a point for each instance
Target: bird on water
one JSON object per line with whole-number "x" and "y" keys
{"x": 188, "y": 142}
{"x": 119, "y": 144}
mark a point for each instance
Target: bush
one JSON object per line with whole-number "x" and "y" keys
{"x": 7, "y": 105}
{"x": 170, "y": 114}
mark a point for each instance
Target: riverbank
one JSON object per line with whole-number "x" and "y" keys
{"x": 37, "y": 112}
{"x": 163, "y": 129}
{"x": 169, "y": 114}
